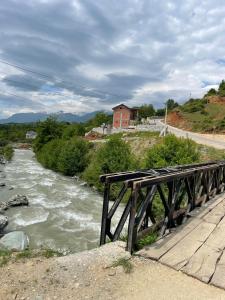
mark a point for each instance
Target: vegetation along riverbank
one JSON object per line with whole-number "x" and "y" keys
{"x": 63, "y": 148}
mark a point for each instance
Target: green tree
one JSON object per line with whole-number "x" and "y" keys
{"x": 73, "y": 130}
{"x": 114, "y": 156}
{"x": 211, "y": 92}
{"x": 171, "y": 104}
{"x": 99, "y": 119}
{"x": 73, "y": 158}
{"x": 47, "y": 130}
{"x": 8, "y": 152}
{"x": 146, "y": 111}
{"x": 48, "y": 155}
{"x": 221, "y": 89}
{"x": 160, "y": 112}
{"x": 172, "y": 151}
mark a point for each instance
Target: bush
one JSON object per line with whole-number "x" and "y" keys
{"x": 221, "y": 89}
{"x": 73, "y": 158}
{"x": 211, "y": 92}
{"x": 48, "y": 155}
{"x": 73, "y": 130}
{"x": 8, "y": 152}
{"x": 47, "y": 130}
{"x": 194, "y": 105}
{"x": 69, "y": 157}
{"x": 113, "y": 156}
{"x": 172, "y": 151}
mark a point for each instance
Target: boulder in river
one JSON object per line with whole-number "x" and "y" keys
{"x": 14, "y": 241}
{"x": 3, "y": 222}
{"x": 16, "y": 200}
{"x": 2, "y": 184}
{"x": 2, "y": 160}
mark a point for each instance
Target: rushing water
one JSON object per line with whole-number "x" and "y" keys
{"x": 63, "y": 213}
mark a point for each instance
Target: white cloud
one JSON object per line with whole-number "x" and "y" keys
{"x": 145, "y": 50}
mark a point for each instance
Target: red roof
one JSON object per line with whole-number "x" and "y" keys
{"x": 125, "y": 106}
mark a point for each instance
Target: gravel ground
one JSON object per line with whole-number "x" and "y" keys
{"x": 90, "y": 275}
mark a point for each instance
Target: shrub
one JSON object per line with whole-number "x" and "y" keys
{"x": 73, "y": 157}
{"x": 221, "y": 89}
{"x": 69, "y": 157}
{"x": 8, "y": 152}
{"x": 113, "y": 156}
{"x": 172, "y": 151}
{"x": 194, "y": 105}
{"x": 47, "y": 130}
{"x": 48, "y": 155}
{"x": 73, "y": 130}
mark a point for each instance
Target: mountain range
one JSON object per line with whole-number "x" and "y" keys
{"x": 41, "y": 116}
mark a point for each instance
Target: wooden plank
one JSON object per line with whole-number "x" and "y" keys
{"x": 178, "y": 256}
{"x": 200, "y": 212}
{"x": 218, "y": 278}
{"x": 160, "y": 247}
{"x": 216, "y": 214}
{"x": 203, "y": 263}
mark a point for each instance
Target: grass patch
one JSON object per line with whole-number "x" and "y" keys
{"x": 7, "y": 256}
{"x": 210, "y": 153}
{"x": 125, "y": 263}
{"x": 4, "y": 257}
{"x": 48, "y": 253}
{"x": 147, "y": 240}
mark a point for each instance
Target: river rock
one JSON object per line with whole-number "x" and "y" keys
{"x": 16, "y": 200}
{"x": 3, "y": 222}
{"x": 2, "y": 184}
{"x": 2, "y": 160}
{"x": 14, "y": 241}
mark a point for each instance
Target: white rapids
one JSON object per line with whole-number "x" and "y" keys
{"x": 63, "y": 213}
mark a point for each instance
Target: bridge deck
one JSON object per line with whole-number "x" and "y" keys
{"x": 197, "y": 247}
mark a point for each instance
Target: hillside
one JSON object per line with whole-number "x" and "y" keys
{"x": 201, "y": 115}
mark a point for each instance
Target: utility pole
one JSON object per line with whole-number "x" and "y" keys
{"x": 165, "y": 121}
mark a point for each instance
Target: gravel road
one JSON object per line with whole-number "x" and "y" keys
{"x": 212, "y": 140}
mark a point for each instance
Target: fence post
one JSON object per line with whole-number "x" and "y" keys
{"x": 132, "y": 229}
{"x": 105, "y": 209}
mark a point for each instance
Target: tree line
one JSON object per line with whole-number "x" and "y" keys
{"x": 64, "y": 149}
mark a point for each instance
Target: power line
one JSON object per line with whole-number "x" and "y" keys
{"x": 17, "y": 96}
{"x": 23, "y": 68}
{"x": 61, "y": 81}
{"x": 27, "y": 85}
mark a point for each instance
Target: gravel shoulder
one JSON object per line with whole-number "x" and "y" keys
{"x": 90, "y": 275}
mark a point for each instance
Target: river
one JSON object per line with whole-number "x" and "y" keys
{"x": 63, "y": 213}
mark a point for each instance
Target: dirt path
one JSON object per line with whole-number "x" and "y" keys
{"x": 89, "y": 275}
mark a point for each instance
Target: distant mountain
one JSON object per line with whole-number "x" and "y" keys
{"x": 35, "y": 117}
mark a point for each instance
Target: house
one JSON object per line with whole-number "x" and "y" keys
{"x": 123, "y": 116}
{"x": 31, "y": 135}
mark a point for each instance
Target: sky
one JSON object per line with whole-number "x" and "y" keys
{"x": 82, "y": 55}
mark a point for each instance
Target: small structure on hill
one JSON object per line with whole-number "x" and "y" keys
{"x": 31, "y": 135}
{"x": 123, "y": 116}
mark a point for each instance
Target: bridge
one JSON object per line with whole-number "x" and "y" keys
{"x": 185, "y": 205}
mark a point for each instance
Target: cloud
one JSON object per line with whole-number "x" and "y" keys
{"x": 98, "y": 54}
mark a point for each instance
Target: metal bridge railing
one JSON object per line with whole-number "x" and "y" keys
{"x": 157, "y": 199}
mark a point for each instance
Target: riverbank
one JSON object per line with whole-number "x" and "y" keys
{"x": 99, "y": 274}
